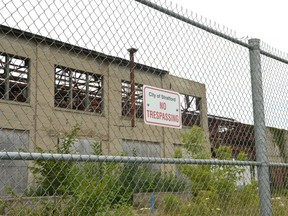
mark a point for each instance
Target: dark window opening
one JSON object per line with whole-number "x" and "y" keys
{"x": 190, "y": 109}
{"x": 126, "y": 99}
{"x": 14, "y": 71}
{"x": 78, "y": 90}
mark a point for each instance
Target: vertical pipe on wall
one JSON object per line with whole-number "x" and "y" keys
{"x": 132, "y": 51}
{"x": 7, "y": 77}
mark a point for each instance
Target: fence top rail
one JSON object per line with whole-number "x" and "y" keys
{"x": 192, "y": 22}
{"x": 208, "y": 29}
{"x": 119, "y": 159}
{"x": 275, "y": 57}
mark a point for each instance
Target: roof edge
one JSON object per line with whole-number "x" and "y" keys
{"x": 77, "y": 49}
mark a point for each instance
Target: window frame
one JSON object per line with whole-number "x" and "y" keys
{"x": 190, "y": 110}
{"x": 74, "y": 90}
{"x": 126, "y": 99}
{"x": 14, "y": 78}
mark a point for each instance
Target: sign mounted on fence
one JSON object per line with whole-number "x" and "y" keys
{"x": 161, "y": 107}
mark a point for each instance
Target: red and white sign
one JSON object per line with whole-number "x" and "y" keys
{"x": 161, "y": 107}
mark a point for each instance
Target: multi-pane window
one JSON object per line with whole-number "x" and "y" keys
{"x": 190, "y": 108}
{"x": 78, "y": 90}
{"x": 126, "y": 99}
{"x": 14, "y": 73}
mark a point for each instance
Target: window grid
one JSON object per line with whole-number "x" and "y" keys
{"x": 14, "y": 74}
{"x": 126, "y": 99}
{"x": 190, "y": 109}
{"x": 78, "y": 90}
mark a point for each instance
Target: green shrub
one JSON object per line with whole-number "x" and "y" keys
{"x": 55, "y": 177}
{"x": 142, "y": 178}
{"x": 98, "y": 191}
{"x": 93, "y": 187}
{"x": 172, "y": 204}
{"x": 124, "y": 209}
{"x": 245, "y": 201}
{"x": 96, "y": 188}
{"x": 194, "y": 141}
{"x": 205, "y": 205}
{"x": 218, "y": 181}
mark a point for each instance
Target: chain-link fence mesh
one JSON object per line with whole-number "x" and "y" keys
{"x": 137, "y": 108}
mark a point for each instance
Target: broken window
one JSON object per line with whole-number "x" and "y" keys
{"x": 190, "y": 109}
{"x": 78, "y": 90}
{"x": 14, "y": 71}
{"x": 126, "y": 99}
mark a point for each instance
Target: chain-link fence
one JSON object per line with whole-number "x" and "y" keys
{"x": 137, "y": 108}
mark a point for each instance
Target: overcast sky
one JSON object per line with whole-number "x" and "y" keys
{"x": 112, "y": 26}
{"x": 263, "y": 19}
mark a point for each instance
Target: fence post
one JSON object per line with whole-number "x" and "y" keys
{"x": 260, "y": 128}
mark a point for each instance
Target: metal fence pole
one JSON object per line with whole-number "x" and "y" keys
{"x": 260, "y": 128}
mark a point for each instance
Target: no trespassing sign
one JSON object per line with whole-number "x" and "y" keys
{"x": 161, "y": 107}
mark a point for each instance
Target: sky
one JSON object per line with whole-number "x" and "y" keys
{"x": 263, "y": 19}
{"x": 113, "y": 26}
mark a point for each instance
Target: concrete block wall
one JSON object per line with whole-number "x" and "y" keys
{"x": 46, "y": 123}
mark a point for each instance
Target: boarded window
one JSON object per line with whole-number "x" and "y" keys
{"x": 78, "y": 90}
{"x": 142, "y": 149}
{"x": 14, "y": 173}
{"x": 14, "y": 71}
{"x": 85, "y": 146}
{"x": 126, "y": 99}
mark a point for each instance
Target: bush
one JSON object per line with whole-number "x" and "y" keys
{"x": 217, "y": 180}
{"x": 202, "y": 205}
{"x": 172, "y": 203}
{"x": 94, "y": 187}
{"x": 55, "y": 177}
{"x": 107, "y": 188}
